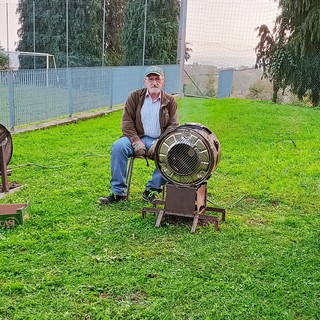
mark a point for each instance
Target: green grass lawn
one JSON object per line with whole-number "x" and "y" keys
{"x": 77, "y": 260}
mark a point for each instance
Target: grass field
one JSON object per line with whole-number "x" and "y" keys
{"x": 77, "y": 260}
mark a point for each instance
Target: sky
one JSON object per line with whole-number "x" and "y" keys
{"x": 7, "y": 9}
{"x": 221, "y": 32}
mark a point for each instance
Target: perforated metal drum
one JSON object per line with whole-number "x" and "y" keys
{"x": 6, "y": 141}
{"x": 188, "y": 155}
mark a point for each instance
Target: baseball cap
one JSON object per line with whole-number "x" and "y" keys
{"x": 154, "y": 69}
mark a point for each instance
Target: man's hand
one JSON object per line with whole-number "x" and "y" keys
{"x": 150, "y": 153}
{"x": 139, "y": 148}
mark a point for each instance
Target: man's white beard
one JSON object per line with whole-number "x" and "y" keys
{"x": 154, "y": 90}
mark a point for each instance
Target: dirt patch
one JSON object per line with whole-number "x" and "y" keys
{"x": 12, "y": 186}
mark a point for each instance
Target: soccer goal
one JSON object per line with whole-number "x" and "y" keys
{"x": 14, "y": 61}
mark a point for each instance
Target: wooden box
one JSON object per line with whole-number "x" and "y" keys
{"x": 12, "y": 215}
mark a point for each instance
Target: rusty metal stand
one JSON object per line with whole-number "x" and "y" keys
{"x": 3, "y": 170}
{"x": 186, "y": 202}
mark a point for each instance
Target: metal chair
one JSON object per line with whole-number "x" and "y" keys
{"x": 129, "y": 174}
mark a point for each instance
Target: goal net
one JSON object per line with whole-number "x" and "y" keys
{"x": 222, "y": 32}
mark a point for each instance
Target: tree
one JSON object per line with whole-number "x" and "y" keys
{"x": 4, "y": 60}
{"x": 210, "y": 86}
{"x": 114, "y": 27}
{"x": 85, "y": 27}
{"x": 162, "y": 27}
{"x": 274, "y": 59}
{"x": 289, "y": 55}
{"x": 188, "y": 50}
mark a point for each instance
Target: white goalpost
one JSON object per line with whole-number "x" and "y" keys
{"x": 35, "y": 54}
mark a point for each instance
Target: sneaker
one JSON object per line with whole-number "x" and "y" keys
{"x": 150, "y": 194}
{"x": 112, "y": 198}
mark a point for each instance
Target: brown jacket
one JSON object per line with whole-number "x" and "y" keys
{"x": 131, "y": 119}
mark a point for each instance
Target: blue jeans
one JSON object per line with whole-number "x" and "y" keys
{"x": 120, "y": 152}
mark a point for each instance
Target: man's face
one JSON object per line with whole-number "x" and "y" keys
{"x": 154, "y": 83}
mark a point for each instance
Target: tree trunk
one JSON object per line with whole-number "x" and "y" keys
{"x": 315, "y": 97}
{"x": 275, "y": 92}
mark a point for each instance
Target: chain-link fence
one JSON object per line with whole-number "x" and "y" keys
{"x": 219, "y": 35}
{"x": 222, "y": 36}
{"x": 28, "y": 96}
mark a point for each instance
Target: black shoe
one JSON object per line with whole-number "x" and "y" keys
{"x": 150, "y": 194}
{"x": 112, "y": 198}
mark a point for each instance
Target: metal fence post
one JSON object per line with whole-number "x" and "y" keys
{"x": 69, "y": 77}
{"x": 225, "y": 82}
{"x": 11, "y": 100}
{"x": 182, "y": 41}
{"x": 144, "y": 31}
{"x": 111, "y": 87}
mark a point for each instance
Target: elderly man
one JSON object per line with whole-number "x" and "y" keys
{"x": 148, "y": 113}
